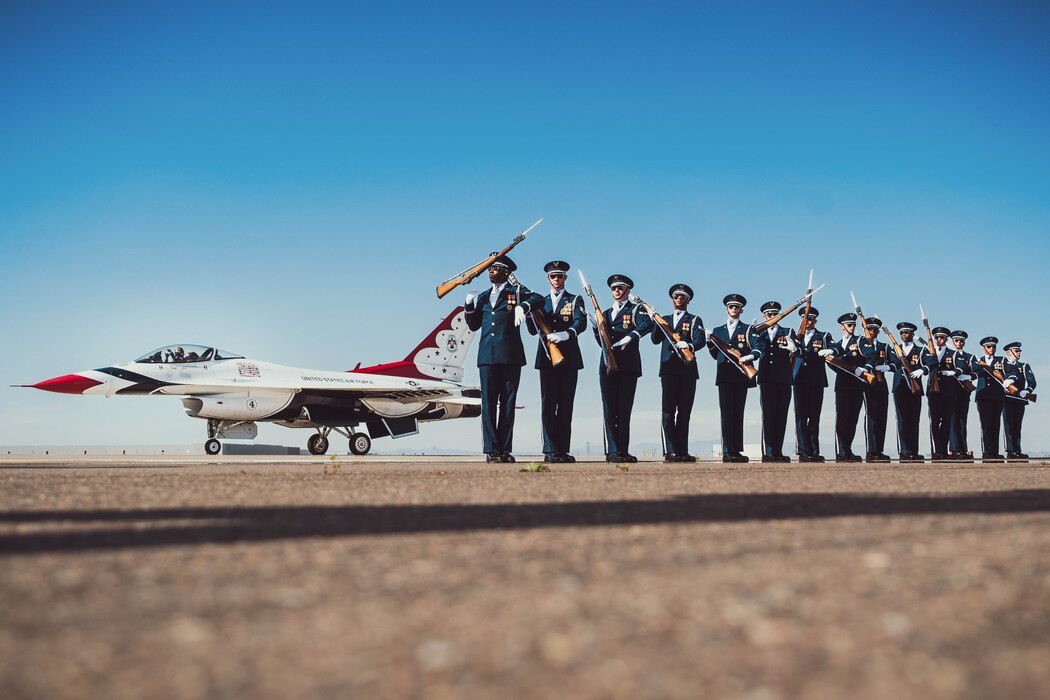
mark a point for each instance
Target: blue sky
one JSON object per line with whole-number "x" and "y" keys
{"x": 291, "y": 183}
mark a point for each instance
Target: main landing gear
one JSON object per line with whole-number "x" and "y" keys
{"x": 360, "y": 443}
{"x": 213, "y": 447}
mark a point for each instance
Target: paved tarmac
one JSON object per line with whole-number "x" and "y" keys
{"x": 358, "y": 577}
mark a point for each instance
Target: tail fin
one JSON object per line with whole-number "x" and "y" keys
{"x": 439, "y": 356}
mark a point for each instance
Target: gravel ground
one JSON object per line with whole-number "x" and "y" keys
{"x": 450, "y": 579}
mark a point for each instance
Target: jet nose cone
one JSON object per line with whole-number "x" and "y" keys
{"x": 67, "y": 384}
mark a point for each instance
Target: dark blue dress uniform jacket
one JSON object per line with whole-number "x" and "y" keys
{"x": 631, "y": 320}
{"x": 499, "y": 339}
{"x": 690, "y": 328}
{"x": 726, "y": 373}
{"x": 814, "y": 369}
{"x": 569, "y": 316}
{"x": 948, "y": 386}
{"x": 988, "y": 389}
{"x": 776, "y": 366}
{"x": 912, "y": 362}
{"x": 852, "y": 354}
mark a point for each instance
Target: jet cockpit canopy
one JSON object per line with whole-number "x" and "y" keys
{"x": 172, "y": 354}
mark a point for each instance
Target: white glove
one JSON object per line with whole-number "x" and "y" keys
{"x": 883, "y": 368}
{"x": 559, "y": 337}
{"x": 624, "y": 341}
{"x": 965, "y": 378}
{"x": 859, "y": 371}
{"x": 1024, "y": 393}
{"x": 592, "y": 320}
{"x": 747, "y": 359}
{"x": 682, "y": 345}
{"x": 790, "y": 343}
{"x": 948, "y": 373}
{"x": 471, "y": 296}
{"x": 827, "y": 352}
{"x": 915, "y": 373}
{"x": 519, "y": 315}
{"x": 1009, "y": 382}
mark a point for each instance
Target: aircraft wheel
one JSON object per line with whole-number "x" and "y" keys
{"x": 360, "y": 443}
{"x": 213, "y": 447}
{"x": 317, "y": 444}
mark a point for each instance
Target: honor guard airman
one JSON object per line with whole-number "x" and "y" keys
{"x": 731, "y": 377}
{"x": 849, "y": 387}
{"x": 496, "y": 315}
{"x": 1019, "y": 375}
{"x": 957, "y": 440}
{"x": 627, "y": 325}
{"x": 777, "y": 349}
{"x": 810, "y": 381}
{"x": 565, "y": 319}
{"x": 989, "y": 397}
{"x": 908, "y": 404}
{"x": 677, "y": 377}
{"x": 876, "y": 394}
{"x": 942, "y": 391}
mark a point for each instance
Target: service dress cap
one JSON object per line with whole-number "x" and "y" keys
{"x": 503, "y": 261}
{"x": 680, "y": 289}
{"x": 907, "y": 326}
{"x": 941, "y": 330}
{"x": 620, "y": 281}
{"x": 773, "y": 306}
{"x": 737, "y": 299}
{"x": 556, "y": 266}
{"x": 989, "y": 340}
{"x": 1015, "y": 345}
{"x": 813, "y": 313}
{"x": 960, "y": 334}
{"x": 848, "y": 318}
{"x": 873, "y": 322}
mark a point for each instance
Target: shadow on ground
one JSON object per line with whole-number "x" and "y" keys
{"x": 158, "y": 527}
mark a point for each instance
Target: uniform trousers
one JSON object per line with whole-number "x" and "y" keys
{"x": 909, "y": 413}
{"x": 1013, "y": 416}
{"x": 942, "y": 409}
{"x": 677, "y": 405}
{"x": 957, "y": 437}
{"x": 775, "y": 400}
{"x": 847, "y": 411}
{"x": 731, "y": 401}
{"x": 876, "y": 411}
{"x": 499, "y": 392}
{"x": 617, "y": 402}
{"x": 557, "y": 394}
{"x": 991, "y": 414}
{"x": 809, "y": 400}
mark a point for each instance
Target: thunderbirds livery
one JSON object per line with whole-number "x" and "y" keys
{"x": 232, "y": 393}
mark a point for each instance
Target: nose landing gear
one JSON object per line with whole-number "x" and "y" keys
{"x": 318, "y": 443}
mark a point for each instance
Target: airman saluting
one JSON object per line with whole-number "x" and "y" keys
{"x": 677, "y": 377}
{"x": 908, "y": 404}
{"x": 731, "y": 377}
{"x": 810, "y": 382}
{"x": 777, "y": 349}
{"x": 989, "y": 397}
{"x": 565, "y": 319}
{"x": 627, "y": 324}
{"x": 501, "y": 355}
{"x": 1019, "y": 375}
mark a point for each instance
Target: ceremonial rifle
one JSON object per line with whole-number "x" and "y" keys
{"x": 731, "y": 355}
{"x": 554, "y": 353}
{"x": 684, "y": 354}
{"x": 603, "y": 328}
{"x": 860, "y": 317}
{"x": 935, "y": 379}
{"x": 473, "y": 272}
{"x": 796, "y": 357}
{"x": 915, "y": 384}
{"x": 865, "y": 377}
{"x": 1011, "y": 391}
{"x": 767, "y": 323}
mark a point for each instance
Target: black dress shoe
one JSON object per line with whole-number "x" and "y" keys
{"x": 741, "y": 458}
{"x": 938, "y": 457}
{"x": 614, "y": 457}
{"x": 816, "y": 458}
{"x": 768, "y": 458}
{"x": 846, "y": 457}
{"x": 506, "y": 457}
{"x": 686, "y": 458}
{"x": 630, "y": 458}
{"x": 547, "y": 457}
{"x": 728, "y": 459}
{"x": 493, "y": 457}
{"x": 996, "y": 457}
{"x": 783, "y": 459}
{"x": 670, "y": 457}
{"x": 567, "y": 458}
{"x": 882, "y": 457}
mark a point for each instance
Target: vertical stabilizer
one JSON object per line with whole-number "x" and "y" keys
{"x": 438, "y": 356}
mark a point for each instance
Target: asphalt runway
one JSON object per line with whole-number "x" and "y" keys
{"x": 357, "y": 577}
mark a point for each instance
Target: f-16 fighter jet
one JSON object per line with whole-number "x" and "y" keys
{"x": 233, "y": 393}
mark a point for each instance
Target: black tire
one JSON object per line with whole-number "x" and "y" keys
{"x": 360, "y": 443}
{"x": 317, "y": 444}
{"x": 213, "y": 447}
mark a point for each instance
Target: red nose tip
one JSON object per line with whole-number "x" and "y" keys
{"x": 67, "y": 384}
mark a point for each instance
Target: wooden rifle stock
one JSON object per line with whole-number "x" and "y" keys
{"x": 684, "y": 354}
{"x": 767, "y": 323}
{"x": 553, "y": 351}
{"x": 732, "y": 355}
{"x": 866, "y": 376}
{"x": 915, "y": 384}
{"x": 611, "y": 366}
{"x": 471, "y": 273}
{"x": 795, "y": 360}
{"x": 935, "y": 379}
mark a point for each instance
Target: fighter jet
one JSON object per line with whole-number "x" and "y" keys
{"x": 233, "y": 393}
